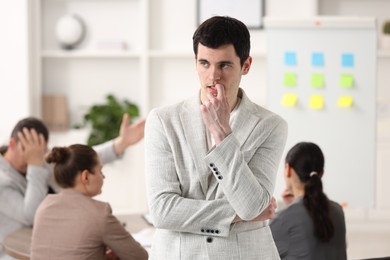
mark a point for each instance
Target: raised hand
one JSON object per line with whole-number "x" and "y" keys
{"x": 216, "y": 114}
{"x": 129, "y": 134}
{"x": 33, "y": 146}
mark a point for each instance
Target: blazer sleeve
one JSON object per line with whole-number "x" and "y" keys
{"x": 22, "y": 207}
{"x": 106, "y": 152}
{"x": 248, "y": 177}
{"x": 119, "y": 240}
{"x": 169, "y": 208}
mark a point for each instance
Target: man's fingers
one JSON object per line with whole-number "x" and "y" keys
{"x": 34, "y": 137}
{"x": 126, "y": 118}
{"x": 220, "y": 91}
{"x": 28, "y": 137}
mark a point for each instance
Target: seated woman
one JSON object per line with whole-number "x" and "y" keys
{"x": 312, "y": 226}
{"x": 72, "y": 225}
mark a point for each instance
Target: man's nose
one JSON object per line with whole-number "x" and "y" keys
{"x": 215, "y": 74}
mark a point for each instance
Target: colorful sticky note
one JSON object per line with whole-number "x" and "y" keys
{"x": 347, "y": 60}
{"x": 316, "y": 102}
{"x": 317, "y": 80}
{"x": 290, "y": 58}
{"x": 289, "y": 100}
{"x": 290, "y": 79}
{"x": 345, "y": 101}
{"x": 317, "y": 59}
{"x": 346, "y": 80}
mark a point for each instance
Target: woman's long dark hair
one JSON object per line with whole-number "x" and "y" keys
{"x": 308, "y": 161}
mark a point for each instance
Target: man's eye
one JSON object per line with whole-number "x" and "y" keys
{"x": 204, "y": 64}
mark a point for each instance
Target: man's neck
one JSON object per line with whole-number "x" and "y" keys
{"x": 8, "y": 158}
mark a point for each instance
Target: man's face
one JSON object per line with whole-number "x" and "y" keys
{"x": 222, "y": 66}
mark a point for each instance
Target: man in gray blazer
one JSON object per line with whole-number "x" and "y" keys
{"x": 24, "y": 176}
{"x": 212, "y": 159}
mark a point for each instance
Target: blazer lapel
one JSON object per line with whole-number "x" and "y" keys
{"x": 195, "y": 132}
{"x": 245, "y": 119}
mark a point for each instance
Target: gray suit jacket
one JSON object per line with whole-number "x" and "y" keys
{"x": 194, "y": 194}
{"x": 293, "y": 232}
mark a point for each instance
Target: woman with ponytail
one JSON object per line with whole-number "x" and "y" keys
{"x": 71, "y": 224}
{"x": 312, "y": 226}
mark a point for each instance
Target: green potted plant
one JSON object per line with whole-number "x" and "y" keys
{"x": 105, "y": 119}
{"x": 386, "y": 35}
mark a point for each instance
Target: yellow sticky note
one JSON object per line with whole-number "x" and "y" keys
{"x": 290, "y": 79}
{"x": 346, "y": 81}
{"x": 317, "y": 80}
{"x": 316, "y": 102}
{"x": 289, "y": 100}
{"x": 345, "y": 101}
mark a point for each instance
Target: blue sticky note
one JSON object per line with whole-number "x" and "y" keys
{"x": 290, "y": 58}
{"x": 317, "y": 59}
{"x": 347, "y": 60}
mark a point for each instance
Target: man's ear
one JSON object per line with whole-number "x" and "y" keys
{"x": 12, "y": 143}
{"x": 246, "y": 66}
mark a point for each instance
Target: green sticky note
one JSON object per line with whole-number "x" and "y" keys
{"x": 346, "y": 81}
{"x": 289, "y": 100}
{"x": 317, "y": 80}
{"x": 290, "y": 79}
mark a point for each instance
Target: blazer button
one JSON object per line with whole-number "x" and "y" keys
{"x": 216, "y": 231}
{"x": 220, "y": 177}
{"x": 211, "y": 164}
{"x": 209, "y": 240}
{"x": 202, "y": 230}
{"x": 217, "y": 172}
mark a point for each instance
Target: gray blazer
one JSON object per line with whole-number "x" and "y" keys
{"x": 294, "y": 235}
{"x": 194, "y": 194}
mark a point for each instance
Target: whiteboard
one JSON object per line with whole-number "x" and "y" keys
{"x": 322, "y": 80}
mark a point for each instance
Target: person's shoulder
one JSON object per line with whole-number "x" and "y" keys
{"x": 5, "y": 181}
{"x": 47, "y": 202}
{"x": 261, "y": 111}
{"x": 174, "y": 109}
{"x": 101, "y": 205}
{"x": 336, "y": 207}
{"x": 293, "y": 211}
{"x": 10, "y": 180}
{"x": 267, "y": 114}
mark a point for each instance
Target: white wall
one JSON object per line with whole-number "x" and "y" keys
{"x": 14, "y": 93}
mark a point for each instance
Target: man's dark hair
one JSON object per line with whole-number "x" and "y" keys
{"x": 221, "y": 30}
{"x": 31, "y": 123}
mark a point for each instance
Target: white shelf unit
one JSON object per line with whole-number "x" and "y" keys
{"x": 156, "y": 69}
{"x": 90, "y": 72}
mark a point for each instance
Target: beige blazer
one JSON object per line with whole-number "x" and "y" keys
{"x": 70, "y": 225}
{"x": 194, "y": 194}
